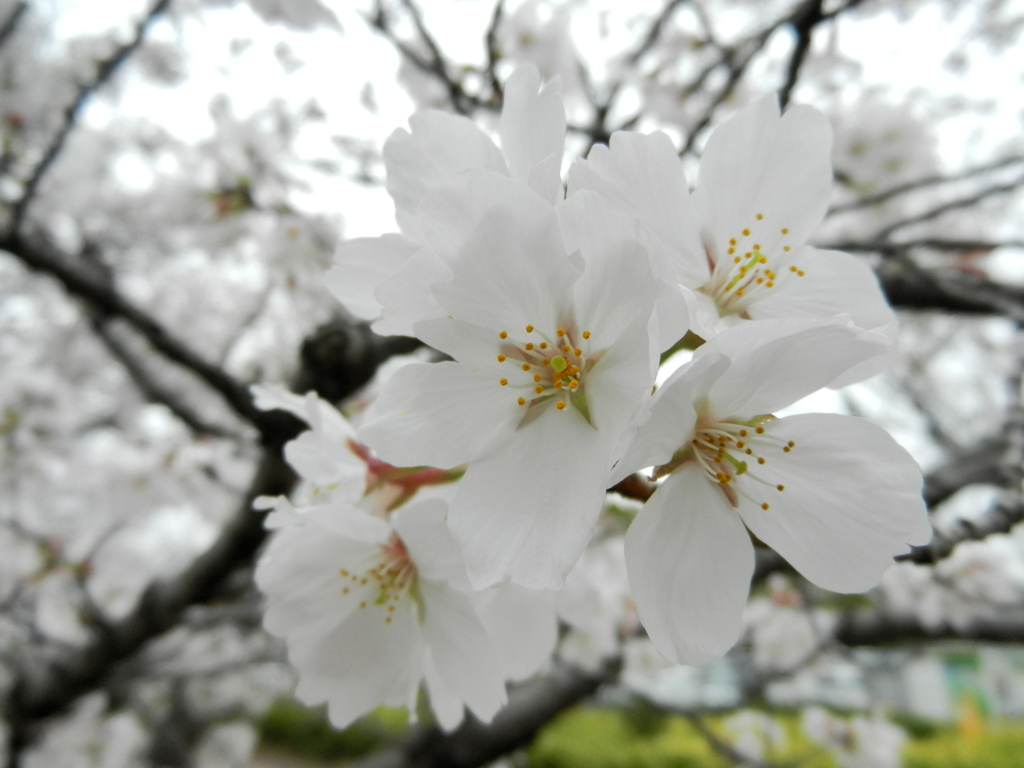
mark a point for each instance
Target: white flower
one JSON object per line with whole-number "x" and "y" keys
{"x": 370, "y": 607}
{"x": 834, "y": 495}
{"x": 754, "y": 733}
{"x": 859, "y": 742}
{"x": 595, "y": 603}
{"x": 738, "y": 245}
{"x": 783, "y": 632}
{"x": 440, "y": 147}
{"x": 547, "y": 316}
{"x": 324, "y": 455}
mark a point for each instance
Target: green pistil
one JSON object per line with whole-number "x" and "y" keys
{"x": 558, "y": 363}
{"x": 739, "y": 466}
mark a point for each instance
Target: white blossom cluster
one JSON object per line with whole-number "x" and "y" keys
{"x": 438, "y": 533}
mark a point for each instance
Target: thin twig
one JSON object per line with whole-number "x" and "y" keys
{"x": 927, "y": 181}
{"x": 11, "y": 22}
{"x": 104, "y": 72}
{"x": 952, "y": 205}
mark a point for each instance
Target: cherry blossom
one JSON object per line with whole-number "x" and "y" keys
{"x": 371, "y": 593}
{"x": 547, "y": 317}
{"x": 859, "y": 742}
{"x": 433, "y": 154}
{"x": 370, "y": 607}
{"x": 834, "y": 495}
{"x": 738, "y": 244}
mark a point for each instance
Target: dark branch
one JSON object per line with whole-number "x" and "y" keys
{"x": 887, "y": 247}
{"x": 530, "y": 707}
{"x": 872, "y": 627}
{"x": 103, "y": 73}
{"x": 927, "y": 181}
{"x": 494, "y": 55}
{"x": 654, "y": 31}
{"x": 105, "y": 300}
{"x": 336, "y": 365}
{"x": 952, "y": 205}
{"x": 914, "y": 288}
{"x": 10, "y": 24}
{"x": 804, "y": 20}
{"x": 149, "y": 385}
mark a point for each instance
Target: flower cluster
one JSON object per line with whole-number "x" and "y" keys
{"x": 554, "y": 305}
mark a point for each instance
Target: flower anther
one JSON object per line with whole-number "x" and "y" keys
{"x": 725, "y": 450}
{"x": 390, "y": 577}
{"x": 550, "y": 375}
{"x": 738, "y": 281}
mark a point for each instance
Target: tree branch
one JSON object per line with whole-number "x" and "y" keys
{"x": 873, "y": 627}
{"x": 530, "y": 707}
{"x": 150, "y": 387}
{"x": 51, "y": 678}
{"x": 927, "y": 181}
{"x": 103, "y": 73}
{"x": 107, "y": 301}
{"x": 10, "y": 24}
{"x": 804, "y": 20}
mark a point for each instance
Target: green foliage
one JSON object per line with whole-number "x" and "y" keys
{"x": 610, "y": 738}
{"x": 636, "y": 737}
{"x": 307, "y": 732}
{"x": 1000, "y": 746}
{"x": 917, "y": 727}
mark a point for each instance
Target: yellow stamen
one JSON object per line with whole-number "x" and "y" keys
{"x": 502, "y": 358}
{"x": 586, "y": 334}
{"x": 503, "y": 335}
{"x": 560, "y": 405}
{"x": 522, "y": 401}
{"x": 526, "y": 366}
{"x": 528, "y": 347}
{"x": 503, "y": 382}
{"x": 760, "y": 216}
{"x": 529, "y": 329}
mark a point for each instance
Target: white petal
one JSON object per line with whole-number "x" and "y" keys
{"x": 465, "y": 342}
{"x": 522, "y": 626}
{"x": 617, "y": 286}
{"x": 641, "y": 174}
{"x": 405, "y": 296}
{"x": 440, "y": 147}
{"x": 689, "y": 561}
{"x": 504, "y": 247}
{"x": 439, "y": 415}
{"x": 299, "y": 569}
{"x": 672, "y": 415}
{"x": 361, "y": 265}
{"x": 423, "y": 528}
{"x": 324, "y": 462}
{"x": 776, "y": 362}
{"x": 852, "y": 500}
{"x": 834, "y": 283}
{"x": 759, "y": 163}
{"x": 532, "y": 131}
{"x": 621, "y": 380}
{"x": 360, "y": 663}
{"x": 271, "y": 397}
{"x": 526, "y": 512}
{"x": 449, "y": 709}
{"x": 461, "y": 649}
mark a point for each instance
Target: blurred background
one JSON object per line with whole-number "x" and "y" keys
{"x": 174, "y": 178}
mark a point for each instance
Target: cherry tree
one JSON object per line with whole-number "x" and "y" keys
{"x": 298, "y": 399}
